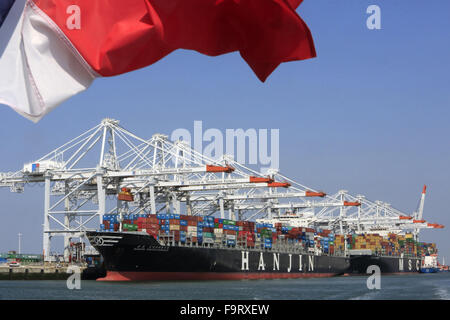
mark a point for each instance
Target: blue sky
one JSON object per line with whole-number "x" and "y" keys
{"x": 370, "y": 114}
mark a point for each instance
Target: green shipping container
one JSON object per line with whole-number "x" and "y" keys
{"x": 130, "y": 227}
{"x": 229, "y": 222}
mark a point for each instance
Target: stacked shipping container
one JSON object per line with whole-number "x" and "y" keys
{"x": 210, "y": 230}
{"x": 392, "y": 245}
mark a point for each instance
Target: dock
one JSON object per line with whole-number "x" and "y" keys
{"x": 46, "y": 272}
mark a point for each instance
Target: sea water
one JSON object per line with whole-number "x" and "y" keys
{"x": 403, "y": 287}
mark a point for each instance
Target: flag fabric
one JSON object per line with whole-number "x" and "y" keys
{"x": 51, "y": 50}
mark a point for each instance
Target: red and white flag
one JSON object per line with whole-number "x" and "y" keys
{"x": 51, "y": 50}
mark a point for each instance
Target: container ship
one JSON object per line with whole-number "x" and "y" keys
{"x": 394, "y": 254}
{"x": 181, "y": 247}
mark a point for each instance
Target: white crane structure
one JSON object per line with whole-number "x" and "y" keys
{"x": 82, "y": 180}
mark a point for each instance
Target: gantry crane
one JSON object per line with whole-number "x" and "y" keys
{"x": 84, "y": 178}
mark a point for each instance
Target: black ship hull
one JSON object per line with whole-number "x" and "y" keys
{"x": 137, "y": 256}
{"x": 387, "y": 264}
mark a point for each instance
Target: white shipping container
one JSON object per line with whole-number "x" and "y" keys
{"x": 231, "y": 237}
{"x": 208, "y": 240}
{"x": 40, "y": 167}
{"x": 174, "y": 227}
{"x": 218, "y": 230}
{"x": 191, "y": 229}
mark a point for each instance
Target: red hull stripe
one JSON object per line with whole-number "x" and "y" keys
{"x": 162, "y": 276}
{"x": 383, "y": 273}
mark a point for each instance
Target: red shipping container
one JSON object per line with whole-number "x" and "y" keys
{"x": 152, "y": 220}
